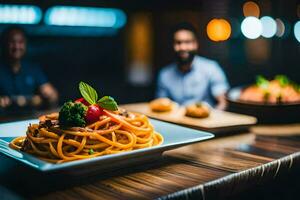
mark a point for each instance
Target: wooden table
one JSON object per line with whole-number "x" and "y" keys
{"x": 214, "y": 169}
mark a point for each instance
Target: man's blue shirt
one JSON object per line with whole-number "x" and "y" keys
{"x": 25, "y": 82}
{"x": 204, "y": 82}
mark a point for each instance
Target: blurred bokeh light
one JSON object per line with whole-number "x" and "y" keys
{"x": 85, "y": 16}
{"x": 280, "y": 28}
{"x": 251, "y": 27}
{"x": 218, "y": 30}
{"x": 297, "y": 31}
{"x": 269, "y": 26}
{"x": 251, "y": 8}
{"x": 20, "y": 14}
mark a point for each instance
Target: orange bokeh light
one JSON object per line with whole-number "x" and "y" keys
{"x": 218, "y": 30}
{"x": 251, "y": 8}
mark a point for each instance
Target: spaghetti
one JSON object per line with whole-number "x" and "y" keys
{"x": 114, "y": 132}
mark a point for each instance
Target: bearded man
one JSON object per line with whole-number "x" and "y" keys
{"x": 192, "y": 78}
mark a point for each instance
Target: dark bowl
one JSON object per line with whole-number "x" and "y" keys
{"x": 266, "y": 113}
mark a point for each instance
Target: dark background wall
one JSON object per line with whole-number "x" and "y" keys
{"x": 102, "y": 60}
{"x": 69, "y": 60}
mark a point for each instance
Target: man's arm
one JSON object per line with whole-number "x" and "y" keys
{"x": 49, "y": 93}
{"x": 222, "y": 104}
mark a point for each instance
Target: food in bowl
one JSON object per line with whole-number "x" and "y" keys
{"x": 279, "y": 90}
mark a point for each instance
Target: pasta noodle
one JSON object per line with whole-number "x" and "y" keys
{"x": 114, "y": 132}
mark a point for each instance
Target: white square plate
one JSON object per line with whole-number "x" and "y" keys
{"x": 174, "y": 136}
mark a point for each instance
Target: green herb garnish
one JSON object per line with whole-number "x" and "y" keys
{"x": 91, "y": 151}
{"x": 283, "y": 80}
{"x": 199, "y": 104}
{"x": 262, "y": 82}
{"x": 108, "y": 103}
{"x": 91, "y": 96}
{"x": 88, "y": 93}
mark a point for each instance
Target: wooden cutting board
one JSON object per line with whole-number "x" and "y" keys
{"x": 218, "y": 121}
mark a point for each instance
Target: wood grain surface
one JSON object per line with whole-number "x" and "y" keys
{"x": 217, "y": 121}
{"x": 213, "y": 169}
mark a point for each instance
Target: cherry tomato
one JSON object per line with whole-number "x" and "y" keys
{"x": 93, "y": 113}
{"x": 82, "y": 100}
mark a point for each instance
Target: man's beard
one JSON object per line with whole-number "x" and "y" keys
{"x": 187, "y": 60}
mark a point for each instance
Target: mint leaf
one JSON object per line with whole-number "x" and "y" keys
{"x": 91, "y": 96}
{"x": 88, "y": 93}
{"x": 107, "y": 102}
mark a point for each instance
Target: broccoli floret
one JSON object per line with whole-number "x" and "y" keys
{"x": 72, "y": 114}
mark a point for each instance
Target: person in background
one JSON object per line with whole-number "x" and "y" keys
{"x": 22, "y": 83}
{"x": 191, "y": 78}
